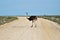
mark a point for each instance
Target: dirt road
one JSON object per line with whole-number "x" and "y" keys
{"x": 20, "y": 30}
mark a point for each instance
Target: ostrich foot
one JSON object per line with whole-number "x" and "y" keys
{"x": 31, "y": 26}
{"x": 35, "y": 26}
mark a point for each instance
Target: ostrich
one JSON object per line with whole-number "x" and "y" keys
{"x": 33, "y": 19}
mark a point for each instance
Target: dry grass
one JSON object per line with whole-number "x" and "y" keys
{"x": 52, "y": 18}
{"x": 6, "y": 19}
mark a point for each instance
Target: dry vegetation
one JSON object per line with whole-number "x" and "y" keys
{"x": 6, "y": 19}
{"x": 52, "y": 18}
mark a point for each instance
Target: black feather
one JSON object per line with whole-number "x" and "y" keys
{"x": 32, "y": 18}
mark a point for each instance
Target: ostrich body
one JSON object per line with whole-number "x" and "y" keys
{"x": 33, "y": 19}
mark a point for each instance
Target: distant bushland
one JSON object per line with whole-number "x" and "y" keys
{"x": 6, "y": 19}
{"x": 52, "y": 18}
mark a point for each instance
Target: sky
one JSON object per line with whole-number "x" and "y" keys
{"x": 33, "y": 7}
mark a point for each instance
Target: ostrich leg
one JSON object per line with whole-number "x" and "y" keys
{"x": 35, "y": 24}
{"x": 32, "y": 23}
